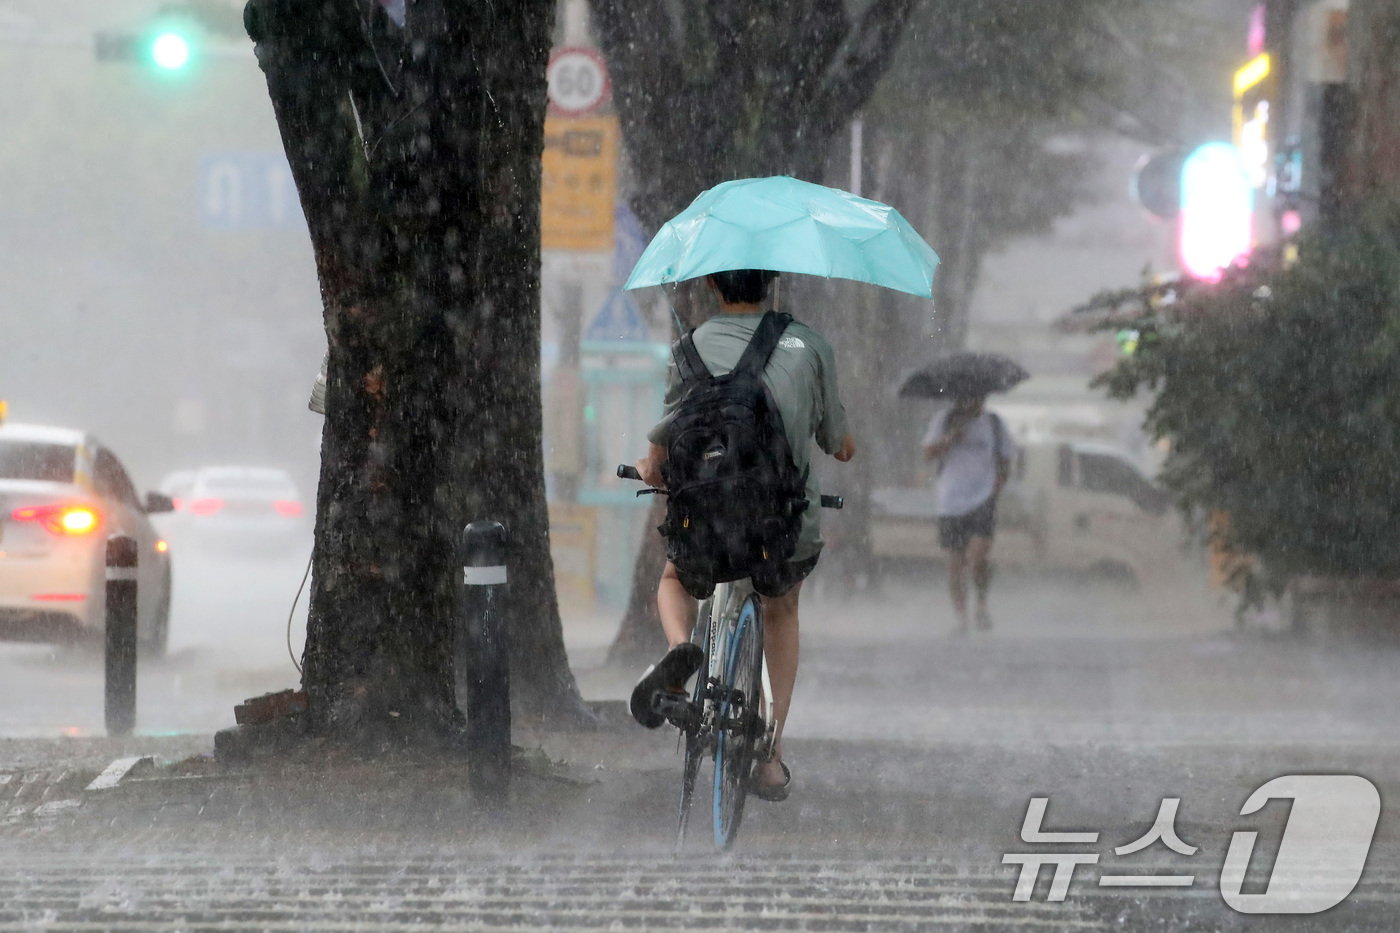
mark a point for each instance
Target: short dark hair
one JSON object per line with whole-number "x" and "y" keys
{"x": 743, "y": 286}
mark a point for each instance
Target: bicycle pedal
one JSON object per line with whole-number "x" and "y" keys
{"x": 675, "y": 707}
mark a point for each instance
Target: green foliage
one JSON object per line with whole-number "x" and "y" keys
{"x": 1143, "y": 68}
{"x": 1280, "y": 394}
{"x": 989, "y": 109}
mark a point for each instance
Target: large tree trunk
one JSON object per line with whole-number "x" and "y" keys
{"x": 416, "y": 156}
{"x": 955, "y": 223}
{"x": 1373, "y": 62}
{"x": 639, "y": 637}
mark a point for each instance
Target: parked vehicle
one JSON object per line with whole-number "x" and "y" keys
{"x": 62, "y": 494}
{"x": 1070, "y": 506}
{"x": 251, "y": 511}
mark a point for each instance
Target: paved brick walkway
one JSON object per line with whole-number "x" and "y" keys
{"x": 914, "y": 757}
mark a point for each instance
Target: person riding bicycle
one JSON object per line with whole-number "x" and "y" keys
{"x": 801, "y": 377}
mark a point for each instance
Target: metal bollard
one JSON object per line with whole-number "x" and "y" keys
{"x": 483, "y": 655}
{"x": 121, "y": 634}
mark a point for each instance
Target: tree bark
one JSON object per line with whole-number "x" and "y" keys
{"x": 1373, "y": 64}
{"x": 416, "y": 156}
{"x": 736, "y": 88}
{"x": 956, "y": 228}
{"x": 639, "y": 636}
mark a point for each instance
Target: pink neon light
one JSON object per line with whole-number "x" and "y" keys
{"x": 1217, "y": 211}
{"x": 1256, "y": 31}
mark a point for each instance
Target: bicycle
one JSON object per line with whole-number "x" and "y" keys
{"x": 728, "y": 715}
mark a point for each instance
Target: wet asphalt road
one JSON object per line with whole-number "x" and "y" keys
{"x": 228, "y": 634}
{"x": 915, "y": 755}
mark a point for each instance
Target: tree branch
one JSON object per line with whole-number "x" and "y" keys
{"x": 646, "y": 60}
{"x": 854, "y": 70}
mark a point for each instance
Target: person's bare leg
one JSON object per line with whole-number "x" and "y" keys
{"x": 957, "y": 585}
{"x": 780, "y": 647}
{"x": 979, "y": 551}
{"x": 676, "y": 608}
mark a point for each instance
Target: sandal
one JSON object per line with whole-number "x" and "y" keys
{"x": 773, "y": 793}
{"x": 665, "y": 676}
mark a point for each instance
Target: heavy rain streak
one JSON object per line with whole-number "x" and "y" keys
{"x": 841, "y": 465}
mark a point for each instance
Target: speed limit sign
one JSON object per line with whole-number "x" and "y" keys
{"x": 578, "y": 80}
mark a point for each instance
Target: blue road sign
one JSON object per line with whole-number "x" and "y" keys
{"x": 248, "y": 191}
{"x": 618, "y": 319}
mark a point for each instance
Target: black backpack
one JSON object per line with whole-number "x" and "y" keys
{"x": 735, "y": 496}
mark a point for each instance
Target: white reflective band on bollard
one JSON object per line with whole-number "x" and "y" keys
{"x": 121, "y": 573}
{"x": 484, "y": 576}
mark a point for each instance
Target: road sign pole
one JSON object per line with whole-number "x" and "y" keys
{"x": 483, "y": 658}
{"x": 121, "y": 635}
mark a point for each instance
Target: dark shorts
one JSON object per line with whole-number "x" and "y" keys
{"x": 955, "y": 531}
{"x": 771, "y": 582}
{"x": 778, "y": 581}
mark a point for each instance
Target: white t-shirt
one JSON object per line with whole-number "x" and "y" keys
{"x": 969, "y": 473}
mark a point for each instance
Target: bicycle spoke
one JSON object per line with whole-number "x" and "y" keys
{"x": 691, "y": 770}
{"x": 694, "y": 743}
{"x": 740, "y": 691}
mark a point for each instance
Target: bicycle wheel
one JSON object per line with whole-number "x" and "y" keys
{"x": 738, "y": 721}
{"x": 694, "y": 741}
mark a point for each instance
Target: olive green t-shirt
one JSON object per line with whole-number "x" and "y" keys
{"x": 801, "y": 374}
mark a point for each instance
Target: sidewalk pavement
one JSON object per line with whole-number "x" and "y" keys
{"x": 915, "y": 755}
{"x": 878, "y": 835}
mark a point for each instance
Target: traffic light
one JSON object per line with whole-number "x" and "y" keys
{"x": 1217, "y": 210}
{"x": 170, "y": 51}
{"x": 166, "y": 49}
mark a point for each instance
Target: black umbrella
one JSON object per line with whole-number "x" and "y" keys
{"x": 964, "y": 375}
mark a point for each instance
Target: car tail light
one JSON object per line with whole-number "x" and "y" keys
{"x": 60, "y": 519}
{"x": 288, "y": 507}
{"x": 162, "y": 546}
{"x": 59, "y": 597}
{"x": 177, "y": 503}
{"x": 206, "y": 506}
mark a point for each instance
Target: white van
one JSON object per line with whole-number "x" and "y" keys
{"x": 1074, "y": 505}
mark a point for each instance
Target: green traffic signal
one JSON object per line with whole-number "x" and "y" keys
{"x": 170, "y": 51}
{"x": 167, "y": 50}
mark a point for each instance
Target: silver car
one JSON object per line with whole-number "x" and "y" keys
{"x": 62, "y": 494}
{"x": 233, "y": 510}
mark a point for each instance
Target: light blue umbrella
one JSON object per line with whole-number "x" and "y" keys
{"x": 787, "y": 225}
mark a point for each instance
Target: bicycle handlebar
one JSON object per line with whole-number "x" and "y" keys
{"x": 627, "y": 471}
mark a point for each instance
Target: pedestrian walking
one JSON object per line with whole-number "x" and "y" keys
{"x": 974, "y": 451}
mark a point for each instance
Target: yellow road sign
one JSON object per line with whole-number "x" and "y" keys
{"x": 580, "y": 183}
{"x": 573, "y": 545}
{"x": 1251, "y": 74}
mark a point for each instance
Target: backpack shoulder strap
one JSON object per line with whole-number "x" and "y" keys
{"x": 763, "y": 343}
{"x": 688, "y": 362}
{"x": 997, "y": 430}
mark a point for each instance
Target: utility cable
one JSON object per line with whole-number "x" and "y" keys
{"x": 296, "y": 599}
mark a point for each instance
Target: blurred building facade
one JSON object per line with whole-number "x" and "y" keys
{"x": 159, "y": 286}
